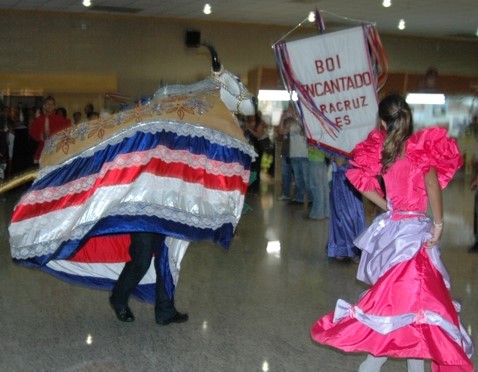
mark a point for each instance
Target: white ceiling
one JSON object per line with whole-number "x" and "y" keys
{"x": 435, "y": 18}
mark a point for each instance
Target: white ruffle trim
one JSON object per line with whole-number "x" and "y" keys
{"x": 386, "y": 324}
{"x": 155, "y": 126}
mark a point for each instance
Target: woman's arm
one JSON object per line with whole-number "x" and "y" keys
{"x": 375, "y": 198}
{"x": 436, "y": 203}
{"x": 281, "y": 128}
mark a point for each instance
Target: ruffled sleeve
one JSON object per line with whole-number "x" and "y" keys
{"x": 366, "y": 163}
{"x": 432, "y": 148}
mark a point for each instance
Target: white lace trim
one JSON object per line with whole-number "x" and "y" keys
{"x": 139, "y": 158}
{"x": 20, "y": 251}
{"x": 155, "y": 126}
{"x": 386, "y": 324}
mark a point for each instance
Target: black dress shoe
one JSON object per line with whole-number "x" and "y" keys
{"x": 177, "y": 318}
{"x": 123, "y": 313}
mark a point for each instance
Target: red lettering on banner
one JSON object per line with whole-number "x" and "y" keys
{"x": 343, "y": 106}
{"x": 338, "y": 85}
{"x": 340, "y": 121}
{"x": 328, "y": 64}
{"x": 364, "y": 101}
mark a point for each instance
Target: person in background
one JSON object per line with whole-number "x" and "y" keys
{"x": 255, "y": 130}
{"x": 283, "y": 135}
{"x": 474, "y": 186}
{"x": 22, "y": 144}
{"x": 17, "y": 141}
{"x": 319, "y": 184}
{"x": 347, "y": 214}
{"x": 10, "y": 144}
{"x": 89, "y": 109}
{"x": 473, "y": 126}
{"x": 474, "y": 183}
{"x": 46, "y": 125}
{"x": 3, "y": 167}
{"x": 61, "y": 111}
{"x": 33, "y": 113}
{"x": 3, "y": 140}
{"x": 299, "y": 160}
{"x": 76, "y": 117}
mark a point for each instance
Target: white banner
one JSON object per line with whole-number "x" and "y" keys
{"x": 336, "y": 87}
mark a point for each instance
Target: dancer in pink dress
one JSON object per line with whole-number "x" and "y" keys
{"x": 407, "y": 312}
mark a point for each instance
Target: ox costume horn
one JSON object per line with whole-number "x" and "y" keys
{"x": 176, "y": 165}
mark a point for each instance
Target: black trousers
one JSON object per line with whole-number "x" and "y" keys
{"x": 141, "y": 250}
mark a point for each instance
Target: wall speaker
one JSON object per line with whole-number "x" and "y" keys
{"x": 193, "y": 39}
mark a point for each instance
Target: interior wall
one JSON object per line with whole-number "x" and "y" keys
{"x": 144, "y": 53}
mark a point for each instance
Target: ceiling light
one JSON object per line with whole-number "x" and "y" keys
{"x": 425, "y": 99}
{"x": 86, "y": 3}
{"x": 311, "y": 17}
{"x": 401, "y": 24}
{"x": 387, "y": 3}
{"x": 207, "y": 9}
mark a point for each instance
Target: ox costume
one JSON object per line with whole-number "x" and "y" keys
{"x": 407, "y": 312}
{"x": 176, "y": 165}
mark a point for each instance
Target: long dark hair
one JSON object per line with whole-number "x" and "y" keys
{"x": 396, "y": 114}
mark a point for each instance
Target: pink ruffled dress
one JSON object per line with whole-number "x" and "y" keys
{"x": 408, "y": 311}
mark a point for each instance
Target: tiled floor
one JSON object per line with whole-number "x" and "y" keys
{"x": 250, "y": 308}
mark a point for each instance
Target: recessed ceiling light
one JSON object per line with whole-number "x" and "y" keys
{"x": 86, "y": 3}
{"x": 311, "y": 17}
{"x": 207, "y": 9}
{"x": 401, "y": 24}
{"x": 387, "y": 3}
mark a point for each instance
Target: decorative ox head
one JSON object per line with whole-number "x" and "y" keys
{"x": 234, "y": 94}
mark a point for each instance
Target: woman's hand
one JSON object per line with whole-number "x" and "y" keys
{"x": 436, "y": 234}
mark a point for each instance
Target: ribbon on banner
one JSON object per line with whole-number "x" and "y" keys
{"x": 319, "y": 21}
{"x": 336, "y": 77}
